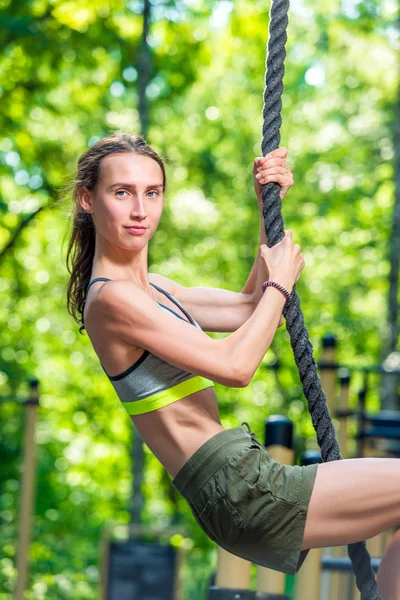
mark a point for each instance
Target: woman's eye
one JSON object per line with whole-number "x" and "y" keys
{"x": 124, "y": 192}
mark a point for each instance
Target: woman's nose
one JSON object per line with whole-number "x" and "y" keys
{"x": 138, "y": 208}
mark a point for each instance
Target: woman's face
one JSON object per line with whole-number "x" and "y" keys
{"x": 129, "y": 193}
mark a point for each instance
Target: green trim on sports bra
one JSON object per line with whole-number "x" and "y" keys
{"x": 155, "y": 382}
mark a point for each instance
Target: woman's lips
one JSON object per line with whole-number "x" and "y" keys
{"x": 136, "y": 230}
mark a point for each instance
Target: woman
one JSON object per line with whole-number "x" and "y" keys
{"x": 148, "y": 332}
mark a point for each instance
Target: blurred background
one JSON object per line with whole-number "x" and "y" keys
{"x": 189, "y": 75}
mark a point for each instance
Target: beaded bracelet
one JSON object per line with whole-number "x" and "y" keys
{"x": 278, "y": 286}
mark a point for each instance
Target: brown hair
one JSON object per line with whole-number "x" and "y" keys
{"x": 81, "y": 244}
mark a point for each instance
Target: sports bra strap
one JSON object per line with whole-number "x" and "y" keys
{"x": 175, "y": 301}
{"x": 97, "y": 279}
{"x": 93, "y": 280}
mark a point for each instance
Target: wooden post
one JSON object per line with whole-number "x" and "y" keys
{"x": 233, "y": 577}
{"x": 344, "y": 378}
{"x": 376, "y": 545}
{"x": 279, "y": 443}
{"x": 104, "y": 559}
{"x": 361, "y": 422}
{"x": 308, "y": 579}
{"x": 328, "y": 369}
{"x": 233, "y": 572}
{"x": 27, "y": 497}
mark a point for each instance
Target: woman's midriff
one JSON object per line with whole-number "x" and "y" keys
{"x": 173, "y": 433}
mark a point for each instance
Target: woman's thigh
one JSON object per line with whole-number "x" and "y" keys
{"x": 352, "y": 500}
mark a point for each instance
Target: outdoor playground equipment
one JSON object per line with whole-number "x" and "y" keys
{"x": 326, "y": 573}
{"x": 27, "y": 487}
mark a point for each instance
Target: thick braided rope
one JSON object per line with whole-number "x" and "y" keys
{"x": 274, "y": 227}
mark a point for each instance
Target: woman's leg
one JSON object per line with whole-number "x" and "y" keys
{"x": 355, "y": 499}
{"x": 389, "y": 570}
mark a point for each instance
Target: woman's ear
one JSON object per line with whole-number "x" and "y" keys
{"x": 85, "y": 199}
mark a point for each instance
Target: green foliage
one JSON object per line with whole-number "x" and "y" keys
{"x": 68, "y": 76}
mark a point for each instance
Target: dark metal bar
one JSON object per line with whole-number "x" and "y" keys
{"x": 330, "y": 563}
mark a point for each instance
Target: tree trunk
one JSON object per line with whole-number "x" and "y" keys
{"x": 390, "y": 399}
{"x": 144, "y": 74}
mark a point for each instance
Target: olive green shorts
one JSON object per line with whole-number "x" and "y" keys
{"x": 246, "y": 502}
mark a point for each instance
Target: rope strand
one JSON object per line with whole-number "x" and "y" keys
{"x": 299, "y": 338}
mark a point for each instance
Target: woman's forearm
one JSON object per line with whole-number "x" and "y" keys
{"x": 264, "y": 171}
{"x": 259, "y": 272}
{"x": 246, "y": 347}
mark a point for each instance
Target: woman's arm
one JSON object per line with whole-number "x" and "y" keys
{"x": 125, "y": 312}
{"x": 221, "y": 310}
{"x": 259, "y": 272}
{"x": 270, "y": 168}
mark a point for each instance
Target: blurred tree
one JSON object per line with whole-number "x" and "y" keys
{"x": 390, "y": 384}
{"x": 68, "y": 76}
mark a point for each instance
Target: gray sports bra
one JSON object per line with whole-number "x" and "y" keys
{"x": 151, "y": 383}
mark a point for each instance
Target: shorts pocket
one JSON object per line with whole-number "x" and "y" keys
{"x": 219, "y": 519}
{"x": 247, "y": 463}
{"x": 260, "y": 471}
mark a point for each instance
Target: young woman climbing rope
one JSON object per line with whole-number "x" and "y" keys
{"x": 148, "y": 332}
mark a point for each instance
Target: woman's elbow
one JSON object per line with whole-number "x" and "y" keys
{"x": 240, "y": 379}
